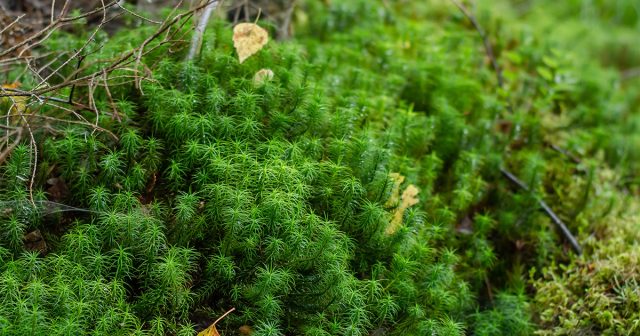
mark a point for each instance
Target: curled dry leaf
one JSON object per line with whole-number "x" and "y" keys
{"x": 248, "y": 39}
{"x": 262, "y": 76}
{"x": 409, "y": 198}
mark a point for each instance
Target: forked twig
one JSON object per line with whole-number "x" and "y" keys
{"x": 52, "y": 27}
{"x": 23, "y": 117}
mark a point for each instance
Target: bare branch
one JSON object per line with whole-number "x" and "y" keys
{"x": 485, "y": 40}
{"x": 196, "y": 41}
{"x": 136, "y": 14}
{"x": 12, "y": 23}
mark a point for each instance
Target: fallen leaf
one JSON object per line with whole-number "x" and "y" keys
{"x": 58, "y": 189}
{"x": 33, "y": 241}
{"x": 262, "y": 76}
{"x": 465, "y": 226}
{"x": 13, "y": 85}
{"x": 211, "y": 331}
{"x": 248, "y": 39}
{"x": 394, "y": 199}
{"x": 18, "y": 103}
{"x": 245, "y": 330}
{"x": 409, "y": 198}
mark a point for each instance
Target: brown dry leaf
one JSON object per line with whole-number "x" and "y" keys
{"x": 248, "y": 39}
{"x": 33, "y": 241}
{"x": 211, "y": 331}
{"x": 409, "y": 198}
{"x": 394, "y": 199}
{"x": 245, "y": 330}
{"x": 58, "y": 189}
{"x": 262, "y": 76}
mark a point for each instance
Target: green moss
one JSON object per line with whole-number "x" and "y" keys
{"x": 596, "y": 294}
{"x": 274, "y": 199}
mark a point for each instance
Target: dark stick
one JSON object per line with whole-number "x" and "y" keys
{"x": 496, "y": 67}
{"x": 42, "y": 98}
{"x": 556, "y": 220}
{"x": 73, "y": 87}
{"x": 565, "y": 152}
{"x": 487, "y": 46}
{"x": 485, "y": 40}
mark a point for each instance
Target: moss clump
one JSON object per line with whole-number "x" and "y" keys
{"x": 597, "y": 294}
{"x": 269, "y": 198}
{"x": 275, "y": 198}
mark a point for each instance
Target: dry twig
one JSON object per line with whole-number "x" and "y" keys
{"x": 24, "y": 116}
{"x": 556, "y": 220}
{"x": 196, "y": 41}
{"x": 498, "y": 71}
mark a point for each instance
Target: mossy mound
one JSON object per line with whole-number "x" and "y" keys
{"x": 287, "y": 199}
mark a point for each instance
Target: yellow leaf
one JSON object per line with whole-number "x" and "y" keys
{"x": 248, "y": 39}
{"x": 211, "y": 331}
{"x": 262, "y": 76}
{"x": 14, "y": 85}
{"x": 18, "y": 103}
{"x": 409, "y": 198}
{"x": 395, "y": 190}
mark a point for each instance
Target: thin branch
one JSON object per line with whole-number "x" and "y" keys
{"x": 115, "y": 115}
{"x": 223, "y": 316}
{"x": 487, "y": 47}
{"x": 53, "y": 6}
{"x": 132, "y": 56}
{"x": 52, "y": 26}
{"x": 73, "y": 86}
{"x": 34, "y": 148}
{"x": 485, "y": 40}
{"x": 77, "y": 122}
{"x": 12, "y": 23}
{"x": 54, "y": 59}
{"x": 9, "y": 148}
{"x": 196, "y": 40}
{"x": 137, "y": 15}
{"x": 42, "y": 98}
{"x": 92, "y": 12}
{"x": 556, "y": 220}
{"x": 92, "y": 101}
{"x": 496, "y": 67}
{"x": 564, "y": 152}
{"x": 286, "y": 25}
{"x": 89, "y": 40}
